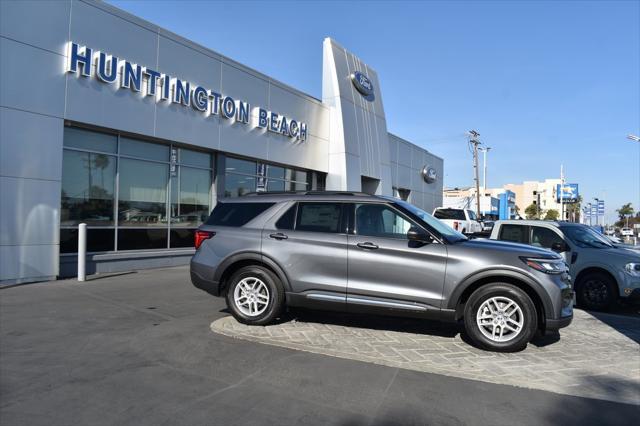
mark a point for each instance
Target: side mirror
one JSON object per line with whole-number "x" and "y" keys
{"x": 560, "y": 247}
{"x": 418, "y": 235}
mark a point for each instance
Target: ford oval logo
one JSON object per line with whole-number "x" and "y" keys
{"x": 362, "y": 83}
{"x": 429, "y": 174}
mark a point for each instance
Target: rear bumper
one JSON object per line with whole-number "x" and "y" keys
{"x": 557, "y": 324}
{"x": 200, "y": 278}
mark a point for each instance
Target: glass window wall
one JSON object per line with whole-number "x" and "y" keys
{"x": 243, "y": 176}
{"x": 132, "y": 194}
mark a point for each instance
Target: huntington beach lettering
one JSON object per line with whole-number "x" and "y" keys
{"x": 165, "y": 88}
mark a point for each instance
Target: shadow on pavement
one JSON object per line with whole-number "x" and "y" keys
{"x": 547, "y": 410}
{"x": 624, "y": 324}
{"x": 584, "y": 411}
{"x": 389, "y": 323}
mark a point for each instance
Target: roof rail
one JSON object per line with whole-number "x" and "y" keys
{"x": 253, "y": 194}
{"x": 335, "y": 193}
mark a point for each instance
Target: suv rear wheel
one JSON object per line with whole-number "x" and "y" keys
{"x": 500, "y": 317}
{"x": 255, "y": 295}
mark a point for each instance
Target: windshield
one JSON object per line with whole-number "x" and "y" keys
{"x": 583, "y": 236}
{"x": 446, "y": 231}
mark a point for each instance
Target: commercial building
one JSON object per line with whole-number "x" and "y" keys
{"x": 494, "y": 203}
{"x": 541, "y": 193}
{"x": 110, "y": 120}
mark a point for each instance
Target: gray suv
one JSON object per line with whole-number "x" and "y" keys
{"x": 362, "y": 253}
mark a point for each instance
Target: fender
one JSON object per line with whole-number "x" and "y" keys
{"x": 501, "y": 272}
{"x": 256, "y": 256}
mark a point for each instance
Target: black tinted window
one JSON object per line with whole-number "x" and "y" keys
{"x": 515, "y": 233}
{"x": 319, "y": 217}
{"x": 456, "y": 214}
{"x": 286, "y": 221}
{"x": 236, "y": 214}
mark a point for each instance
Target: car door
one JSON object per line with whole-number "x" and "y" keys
{"x": 309, "y": 242}
{"x": 388, "y": 270}
{"x": 544, "y": 237}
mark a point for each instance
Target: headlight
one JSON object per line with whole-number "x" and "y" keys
{"x": 548, "y": 266}
{"x": 633, "y": 269}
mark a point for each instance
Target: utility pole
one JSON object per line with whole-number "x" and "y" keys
{"x": 473, "y": 139}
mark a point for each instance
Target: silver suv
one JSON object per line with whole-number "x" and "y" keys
{"x": 362, "y": 253}
{"x": 604, "y": 271}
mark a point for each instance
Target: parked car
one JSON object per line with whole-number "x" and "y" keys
{"x": 461, "y": 220}
{"x": 487, "y": 226}
{"x": 362, "y": 253}
{"x": 603, "y": 271}
{"x": 626, "y": 232}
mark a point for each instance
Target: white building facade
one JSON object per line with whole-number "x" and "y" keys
{"x": 109, "y": 120}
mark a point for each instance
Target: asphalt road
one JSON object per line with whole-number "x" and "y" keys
{"x": 137, "y": 349}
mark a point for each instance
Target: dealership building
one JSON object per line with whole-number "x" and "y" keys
{"x": 109, "y": 120}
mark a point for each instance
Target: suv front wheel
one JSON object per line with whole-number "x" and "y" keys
{"x": 500, "y": 317}
{"x": 255, "y": 295}
{"x": 596, "y": 291}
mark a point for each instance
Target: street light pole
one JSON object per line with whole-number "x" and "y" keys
{"x": 484, "y": 150}
{"x": 637, "y": 139}
{"x": 597, "y": 212}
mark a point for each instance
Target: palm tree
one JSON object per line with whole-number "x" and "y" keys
{"x": 624, "y": 212}
{"x": 101, "y": 162}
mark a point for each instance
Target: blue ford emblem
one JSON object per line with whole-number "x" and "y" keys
{"x": 362, "y": 83}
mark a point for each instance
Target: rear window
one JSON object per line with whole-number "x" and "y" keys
{"x": 455, "y": 214}
{"x": 236, "y": 214}
{"x": 514, "y": 233}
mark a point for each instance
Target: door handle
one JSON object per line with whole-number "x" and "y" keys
{"x": 278, "y": 236}
{"x": 367, "y": 245}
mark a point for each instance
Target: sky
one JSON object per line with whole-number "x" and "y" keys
{"x": 544, "y": 82}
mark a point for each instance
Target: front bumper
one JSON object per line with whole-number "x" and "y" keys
{"x": 556, "y": 324}
{"x": 634, "y": 295}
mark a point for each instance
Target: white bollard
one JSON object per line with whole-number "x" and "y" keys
{"x": 82, "y": 251}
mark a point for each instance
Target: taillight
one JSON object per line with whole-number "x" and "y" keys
{"x": 455, "y": 225}
{"x": 201, "y": 236}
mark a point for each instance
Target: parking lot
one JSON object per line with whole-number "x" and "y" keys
{"x": 148, "y": 348}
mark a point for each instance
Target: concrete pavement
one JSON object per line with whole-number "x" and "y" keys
{"x": 137, "y": 349}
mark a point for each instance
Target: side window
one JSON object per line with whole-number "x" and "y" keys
{"x": 319, "y": 217}
{"x": 544, "y": 237}
{"x": 287, "y": 220}
{"x": 472, "y": 215}
{"x": 379, "y": 220}
{"x": 514, "y": 233}
{"x": 236, "y": 214}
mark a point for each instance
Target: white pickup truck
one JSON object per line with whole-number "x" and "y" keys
{"x": 462, "y": 220}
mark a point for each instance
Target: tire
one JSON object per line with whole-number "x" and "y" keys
{"x": 500, "y": 332}
{"x": 596, "y": 292}
{"x": 263, "y": 295}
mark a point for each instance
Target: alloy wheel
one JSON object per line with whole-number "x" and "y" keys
{"x": 251, "y": 296}
{"x": 595, "y": 292}
{"x": 500, "y": 319}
